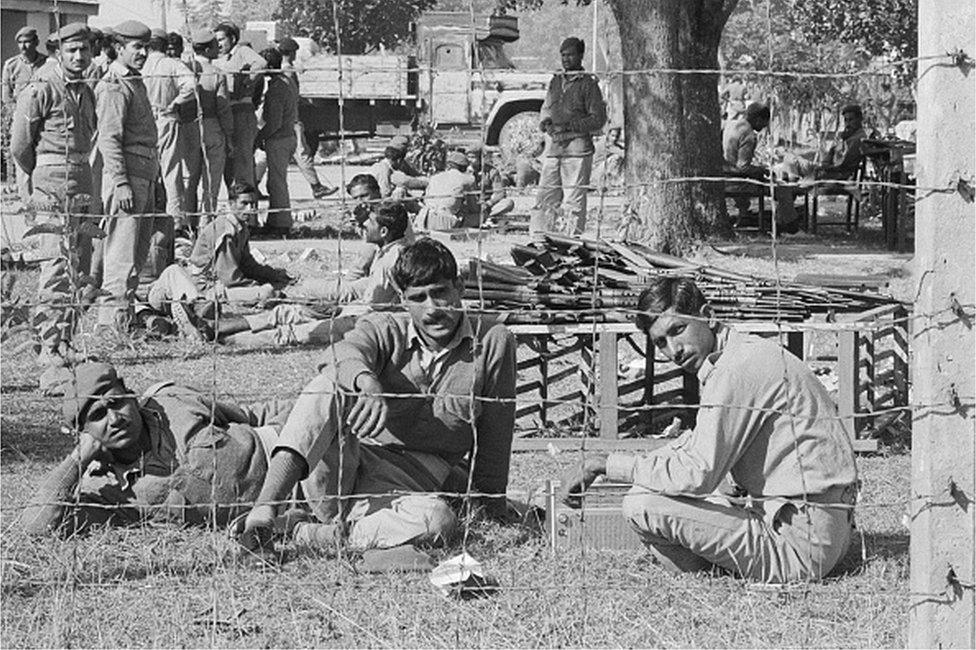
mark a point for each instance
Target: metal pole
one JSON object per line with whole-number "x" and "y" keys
{"x": 942, "y": 512}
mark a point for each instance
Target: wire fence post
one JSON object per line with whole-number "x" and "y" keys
{"x": 943, "y": 516}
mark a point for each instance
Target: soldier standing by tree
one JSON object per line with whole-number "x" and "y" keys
{"x": 17, "y": 73}
{"x": 573, "y": 110}
{"x": 51, "y": 140}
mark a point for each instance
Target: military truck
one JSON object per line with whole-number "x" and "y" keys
{"x": 455, "y": 75}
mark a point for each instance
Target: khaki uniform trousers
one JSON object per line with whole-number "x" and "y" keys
{"x": 205, "y": 163}
{"x": 56, "y": 313}
{"x": 134, "y": 242}
{"x": 562, "y": 184}
{"x": 279, "y": 152}
{"x": 170, "y": 144}
{"x": 787, "y": 541}
{"x": 384, "y": 490}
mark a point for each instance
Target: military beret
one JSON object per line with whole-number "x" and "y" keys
{"x": 288, "y": 44}
{"x": 90, "y": 381}
{"x": 202, "y": 36}
{"x": 73, "y": 32}
{"x": 132, "y": 29}
{"x": 457, "y": 158}
{"x": 573, "y": 43}
{"x": 26, "y": 32}
{"x": 399, "y": 142}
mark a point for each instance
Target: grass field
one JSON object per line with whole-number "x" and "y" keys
{"x": 162, "y": 586}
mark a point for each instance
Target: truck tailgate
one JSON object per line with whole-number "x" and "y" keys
{"x": 364, "y": 76}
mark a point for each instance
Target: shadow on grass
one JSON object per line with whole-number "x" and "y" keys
{"x": 877, "y": 547}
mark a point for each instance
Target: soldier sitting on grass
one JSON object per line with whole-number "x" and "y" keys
{"x": 391, "y": 418}
{"x": 766, "y": 421}
{"x": 173, "y": 454}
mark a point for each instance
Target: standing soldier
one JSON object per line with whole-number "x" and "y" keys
{"x": 217, "y": 127}
{"x": 572, "y": 111}
{"x": 304, "y": 153}
{"x": 51, "y": 139}
{"x": 17, "y": 73}
{"x": 127, "y": 140}
{"x": 169, "y": 84}
{"x": 240, "y": 63}
{"x": 277, "y": 135}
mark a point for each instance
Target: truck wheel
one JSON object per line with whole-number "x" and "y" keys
{"x": 520, "y": 134}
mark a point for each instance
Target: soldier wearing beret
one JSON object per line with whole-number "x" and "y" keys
{"x": 207, "y": 161}
{"x": 17, "y": 73}
{"x": 451, "y": 198}
{"x": 171, "y": 454}
{"x": 169, "y": 84}
{"x": 127, "y": 139}
{"x": 52, "y": 137}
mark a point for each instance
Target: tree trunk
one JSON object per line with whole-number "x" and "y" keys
{"x": 673, "y": 127}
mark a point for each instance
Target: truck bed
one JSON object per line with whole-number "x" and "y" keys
{"x": 364, "y": 76}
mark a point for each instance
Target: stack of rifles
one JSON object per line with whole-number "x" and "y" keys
{"x": 567, "y": 279}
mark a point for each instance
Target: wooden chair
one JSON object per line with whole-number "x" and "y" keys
{"x": 740, "y": 190}
{"x": 851, "y": 188}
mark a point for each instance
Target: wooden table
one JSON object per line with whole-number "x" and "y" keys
{"x": 889, "y": 159}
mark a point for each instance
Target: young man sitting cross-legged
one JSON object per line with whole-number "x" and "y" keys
{"x": 399, "y": 405}
{"x": 766, "y": 422}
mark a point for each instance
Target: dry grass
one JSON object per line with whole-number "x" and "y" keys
{"x": 162, "y": 586}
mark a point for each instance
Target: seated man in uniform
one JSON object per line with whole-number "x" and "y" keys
{"x": 765, "y": 421}
{"x": 396, "y": 177}
{"x": 451, "y": 199}
{"x": 172, "y": 454}
{"x": 489, "y": 184}
{"x": 390, "y": 419}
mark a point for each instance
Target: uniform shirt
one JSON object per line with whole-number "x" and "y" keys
{"x": 575, "y": 105}
{"x": 168, "y": 83}
{"x": 241, "y": 84}
{"x": 377, "y": 286}
{"x": 17, "y": 73}
{"x": 211, "y": 91}
{"x": 738, "y": 144}
{"x": 126, "y": 126}
{"x": 431, "y": 410}
{"x": 200, "y": 453}
{"x": 280, "y": 110}
{"x": 845, "y": 155}
{"x": 53, "y": 118}
{"x": 764, "y": 418}
{"x": 451, "y": 192}
{"x": 222, "y": 253}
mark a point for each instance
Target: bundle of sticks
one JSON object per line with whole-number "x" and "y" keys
{"x": 567, "y": 278}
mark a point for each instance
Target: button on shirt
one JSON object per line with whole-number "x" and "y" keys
{"x": 764, "y": 418}
{"x": 17, "y": 73}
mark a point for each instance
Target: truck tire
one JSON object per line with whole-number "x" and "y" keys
{"x": 520, "y": 134}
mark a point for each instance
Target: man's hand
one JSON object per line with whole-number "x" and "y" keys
{"x": 576, "y": 480}
{"x": 124, "y": 197}
{"x": 90, "y": 449}
{"x": 258, "y": 529}
{"x": 368, "y": 415}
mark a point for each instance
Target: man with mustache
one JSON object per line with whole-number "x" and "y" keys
{"x": 171, "y": 454}
{"x": 51, "y": 140}
{"x": 401, "y": 405}
{"x": 766, "y": 422}
{"x": 135, "y": 238}
{"x": 17, "y": 73}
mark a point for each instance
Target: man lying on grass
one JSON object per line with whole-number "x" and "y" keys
{"x": 764, "y": 420}
{"x": 401, "y": 403}
{"x": 170, "y": 454}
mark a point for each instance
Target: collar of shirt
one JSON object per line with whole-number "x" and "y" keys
{"x": 430, "y": 357}
{"x": 121, "y": 70}
{"x": 721, "y": 341}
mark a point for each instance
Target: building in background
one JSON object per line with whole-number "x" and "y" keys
{"x": 39, "y": 14}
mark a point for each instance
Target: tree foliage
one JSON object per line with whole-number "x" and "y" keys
{"x": 365, "y": 25}
{"x": 887, "y": 28}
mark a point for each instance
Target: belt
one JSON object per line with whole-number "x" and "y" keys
{"x": 51, "y": 159}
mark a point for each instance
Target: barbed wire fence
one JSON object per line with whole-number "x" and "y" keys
{"x": 75, "y": 579}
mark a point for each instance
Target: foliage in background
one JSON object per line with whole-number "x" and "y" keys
{"x": 365, "y": 25}
{"x": 887, "y": 28}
